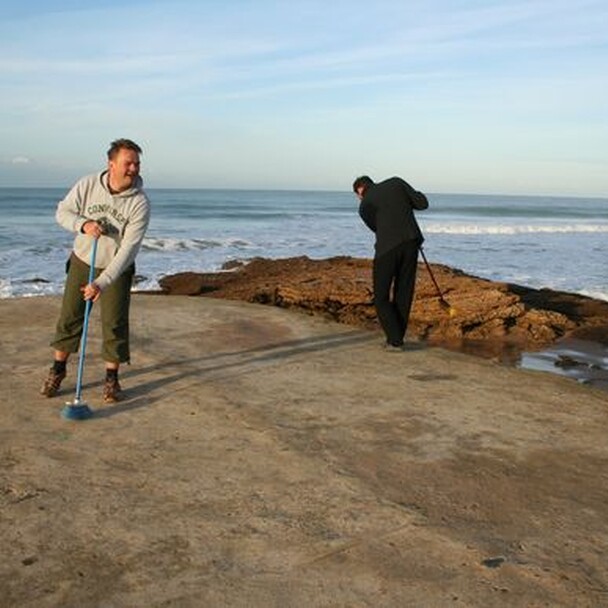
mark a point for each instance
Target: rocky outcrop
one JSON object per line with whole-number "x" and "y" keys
{"x": 473, "y": 308}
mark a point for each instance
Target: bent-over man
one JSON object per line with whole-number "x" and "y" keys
{"x": 387, "y": 208}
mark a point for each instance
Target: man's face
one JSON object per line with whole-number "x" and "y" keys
{"x": 360, "y": 192}
{"x": 124, "y": 169}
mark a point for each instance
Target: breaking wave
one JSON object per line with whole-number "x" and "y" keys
{"x": 174, "y": 244}
{"x": 512, "y": 229}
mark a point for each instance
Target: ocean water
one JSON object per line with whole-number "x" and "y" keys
{"x": 557, "y": 243}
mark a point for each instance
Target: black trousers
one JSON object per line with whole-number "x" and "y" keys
{"x": 394, "y": 279}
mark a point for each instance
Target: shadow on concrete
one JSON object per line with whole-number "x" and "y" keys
{"x": 227, "y": 364}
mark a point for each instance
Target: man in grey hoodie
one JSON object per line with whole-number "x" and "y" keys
{"x": 112, "y": 208}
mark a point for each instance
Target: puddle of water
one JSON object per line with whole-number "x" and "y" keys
{"x": 585, "y": 362}
{"x": 581, "y": 360}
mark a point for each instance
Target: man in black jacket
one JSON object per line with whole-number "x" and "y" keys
{"x": 387, "y": 208}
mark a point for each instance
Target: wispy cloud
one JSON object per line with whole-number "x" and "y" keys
{"x": 184, "y": 67}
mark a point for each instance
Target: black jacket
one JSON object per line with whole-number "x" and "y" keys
{"x": 388, "y": 210}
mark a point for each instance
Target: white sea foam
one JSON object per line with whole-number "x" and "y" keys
{"x": 596, "y": 295}
{"x": 194, "y": 244}
{"x": 5, "y": 289}
{"x": 513, "y": 229}
{"x": 10, "y": 288}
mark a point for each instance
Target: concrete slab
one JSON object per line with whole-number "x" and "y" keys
{"x": 265, "y": 458}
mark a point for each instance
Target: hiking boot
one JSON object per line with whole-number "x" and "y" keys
{"x": 52, "y": 383}
{"x": 111, "y": 390}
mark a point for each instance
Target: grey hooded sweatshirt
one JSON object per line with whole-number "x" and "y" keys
{"x": 125, "y": 215}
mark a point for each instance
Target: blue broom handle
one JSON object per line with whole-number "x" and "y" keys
{"x": 85, "y": 325}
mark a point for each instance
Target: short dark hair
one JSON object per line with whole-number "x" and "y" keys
{"x": 119, "y": 144}
{"x": 364, "y": 181}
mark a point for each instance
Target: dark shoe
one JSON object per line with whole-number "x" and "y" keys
{"x": 52, "y": 383}
{"x": 393, "y": 348}
{"x": 111, "y": 390}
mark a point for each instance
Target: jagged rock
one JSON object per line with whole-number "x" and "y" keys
{"x": 340, "y": 288}
{"x": 566, "y": 362}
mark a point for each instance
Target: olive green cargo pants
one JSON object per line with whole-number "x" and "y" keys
{"x": 114, "y": 303}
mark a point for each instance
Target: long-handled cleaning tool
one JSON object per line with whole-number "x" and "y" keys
{"x": 442, "y": 301}
{"x": 78, "y": 409}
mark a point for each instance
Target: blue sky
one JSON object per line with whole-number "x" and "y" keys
{"x": 453, "y": 95}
